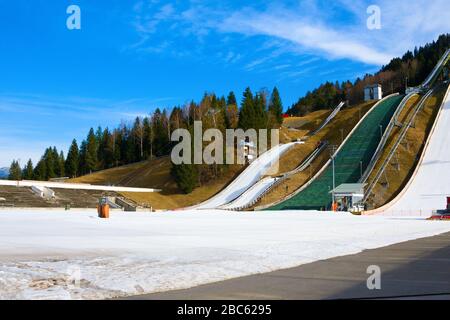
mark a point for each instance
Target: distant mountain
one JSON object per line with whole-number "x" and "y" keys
{"x": 4, "y": 173}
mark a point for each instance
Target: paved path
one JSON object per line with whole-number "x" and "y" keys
{"x": 413, "y": 269}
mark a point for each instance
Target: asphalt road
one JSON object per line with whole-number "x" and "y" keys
{"x": 418, "y": 269}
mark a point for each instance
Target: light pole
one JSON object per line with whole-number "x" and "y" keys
{"x": 334, "y": 180}
{"x": 361, "y": 168}
{"x": 333, "y": 150}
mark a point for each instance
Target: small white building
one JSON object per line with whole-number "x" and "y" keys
{"x": 373, "y": 92}
{"x": 349, "y": 196}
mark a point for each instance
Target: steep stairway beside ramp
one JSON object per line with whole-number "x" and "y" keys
{"x": 354, "y": 155}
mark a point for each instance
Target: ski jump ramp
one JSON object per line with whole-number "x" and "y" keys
{"x": 328, "y": 119}
{"x": 432, "y": 76}
{"x": 430, "y": 183}
{"x": 252, "y": 195}
{"x": 251, "y": 175}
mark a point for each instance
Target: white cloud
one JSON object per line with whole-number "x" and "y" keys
{"x": 329, "y": 30}
{"x": 310, "y": 37}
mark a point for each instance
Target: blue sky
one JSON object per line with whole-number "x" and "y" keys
{"x": 132, "y": 56}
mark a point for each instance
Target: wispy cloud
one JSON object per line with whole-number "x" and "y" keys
{"x": 309, "y": 36}
{"x": 328, "y": 30}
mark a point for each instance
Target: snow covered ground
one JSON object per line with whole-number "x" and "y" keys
{"x": 133, "y": 253}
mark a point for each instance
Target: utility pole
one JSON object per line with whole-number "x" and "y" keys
{"x": 333, "y": 151}
{"x": 361, "y": 168}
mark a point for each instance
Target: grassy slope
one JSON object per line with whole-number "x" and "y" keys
{"x": 401, "y": 167}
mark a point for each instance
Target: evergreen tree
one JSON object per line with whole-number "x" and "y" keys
{"x": 276, "y": 107}
{"x": 50, "y": 163}
{"x": 138, "y": 140}
{"x": 72, "y": 161}
{"x": 260, "y": 118}
{"x": 148, "y": 139}
{"x": 98, "y": 138}
{"x": 231, "y": 99}
{"x": 40, "y": 172}
{"x": 247, "y": 113}
{"x": 106, "y": 153}
{"x": 161, "y": 138}
{"x": 28, "y": 170}
{"x": 91, "y": 160}
{"x": 130, "y": 148}
{"x": 61, "y": 164}
{"x": 222, "y": 105}
{"x": 15, "y": 173}
{"x": 82, "y": 158}
{"x": 186, "y": 176}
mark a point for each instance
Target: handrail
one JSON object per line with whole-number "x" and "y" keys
{"x": 397, "y": 143}
{"x": 387, "y": 132}
{"x": 308, "y": 160}
{"x": 328, "y": 119}
{"x": 433, "y": 73}
{"x": 229, "y": 206}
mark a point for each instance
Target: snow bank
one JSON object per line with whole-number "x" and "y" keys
{"x": 134, "y": 253}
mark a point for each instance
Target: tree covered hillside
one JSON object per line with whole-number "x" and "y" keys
{"x": 150, "y": 137}
{"x": 411, "y": 70}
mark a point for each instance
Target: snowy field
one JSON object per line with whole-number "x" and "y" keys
{"x": 134, "y": 253}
